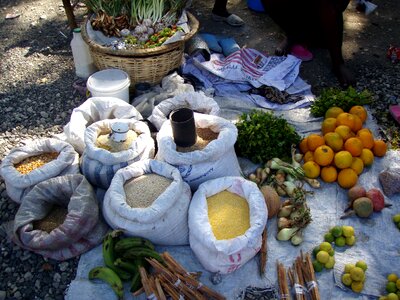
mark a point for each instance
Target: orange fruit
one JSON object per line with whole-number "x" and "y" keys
{"x": 314, "y": 141}
{"x": 343, "y": 159}
{"x": 364, "y": 129}
{"x": 379, "y": 148}
{"x": 354, "y": 146}
{"x": 345, "y": 119}
{"x": 311, "y": 169}
{"x": 323, "y": 155}
{"x": 328, "y": 125}
{"x": 366, "y": 138}
{"x": 344, "y": 131}
{"x": 334, "y": 140}
{"x": 303, "y": 145}
{"x": 357, "y": 123}
{"x": 329, "y": 174}
{"x": 367, "y": 157}
{"x": 347, "y": 178}
{"x": 333, "y": 112}
{"x": 359, "y": 111}
{"x": 357, "y": 165}
{"x": 309, "y": 156}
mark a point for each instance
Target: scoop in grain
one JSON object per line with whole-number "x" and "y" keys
{"x": 105, "y": 141}
{"x": 204, "y": 137}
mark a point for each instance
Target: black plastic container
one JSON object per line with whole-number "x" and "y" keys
{"x": 183, "y": 127}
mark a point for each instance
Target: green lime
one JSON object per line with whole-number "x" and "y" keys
{"x": 328, "y": 237}
{"x": 357, "y": 274}
{"x": 351, "y": 240}
{"x": 340, "y": 241}
{"x": 318, "y": 267}
{"x": 323, "y": 257}
{"x": 362, "y": 264}
{"x": 346, "y": 279}
{"x": 325, "y": 246}
{"x": 396, "y": 218}
{"x": 391, "y": 287}
{"x": 347, "y": 231}
{"x": 315, "y": 251}
{"x": 398, "y": 284}
{"x": 331, "y": 252}
{"x": 392, "y": 296}
{"x": 348, "y": 267}
{"x": 330, "y": 263}
{"x": 336, "y": 231}
{"x": 382, "y": 298}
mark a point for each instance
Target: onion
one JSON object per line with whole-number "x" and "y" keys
{"x": 285, "y": 211}
{"x": 286, "y": 234}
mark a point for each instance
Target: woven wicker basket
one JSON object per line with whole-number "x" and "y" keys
{"x": 143, "y": 65}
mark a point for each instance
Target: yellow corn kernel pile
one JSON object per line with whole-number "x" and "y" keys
{"x": 33, "y": 162}
{"x": 228, "y": 214}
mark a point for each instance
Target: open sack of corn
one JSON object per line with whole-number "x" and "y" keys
{"x": 149, "y": 199}
{"x": 227, "y": 217}
{"x": 103, "y": 156}
{"x": 133, "y": 24}
{"x": 26, "y": 166}
{"x": 59, "y": 218}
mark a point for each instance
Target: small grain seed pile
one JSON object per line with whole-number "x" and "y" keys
{"x": 204, "y": 137}
{"x": 142, "y": 191}
{"x": 52, "y": 220}
{"x": 33, "y": 162}
{"x": 229, "y": 215}
{"x": 106, "y": 142}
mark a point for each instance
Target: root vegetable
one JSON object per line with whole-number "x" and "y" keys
{"x": 285, "y": 211}
{"x": 284, "y": 223}
{"x": 377, "y": 198}
{"x": 272, "y": 200}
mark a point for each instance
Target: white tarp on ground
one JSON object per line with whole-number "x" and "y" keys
{"x": 376, "y": 238}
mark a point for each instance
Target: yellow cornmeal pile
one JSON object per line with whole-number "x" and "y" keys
{"x": 229, "y": 215}
{"x": 54, "y": 218}
{"x": 204, "y": 137}
{"x": 33, "y": 162}
{"x": 106, "y": 142}
{"x": 142, "y": 191}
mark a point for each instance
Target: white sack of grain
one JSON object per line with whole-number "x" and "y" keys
{"x": 18, "y": 184}
{"x": 92, "y": 110}
{"x": 82, "y": 228}
{"x": 197, "y": 101}
{"x": 226, "y": 256}
{"x": 217, "y": 159}
{"x": 165, "y": 221}
{"x": 99, "y": 165}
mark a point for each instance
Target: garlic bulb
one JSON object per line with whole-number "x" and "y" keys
{"x": 139, "y": 29}
{"x": 147, "y": 22}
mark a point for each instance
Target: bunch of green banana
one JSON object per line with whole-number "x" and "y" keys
{"x": 123, "y": 257}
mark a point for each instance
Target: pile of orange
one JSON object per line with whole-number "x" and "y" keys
{"x": 343, "y": 149}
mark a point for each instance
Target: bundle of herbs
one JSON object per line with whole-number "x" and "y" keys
{"x": 263, "y": 136}
{"x": 344, "y": 99}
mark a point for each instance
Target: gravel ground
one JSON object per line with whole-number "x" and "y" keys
{"x": 37, "y": 97}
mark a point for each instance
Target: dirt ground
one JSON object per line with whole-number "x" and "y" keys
{"x": 366, "y": 38}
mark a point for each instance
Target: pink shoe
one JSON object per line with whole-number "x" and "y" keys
{"x": 301, "y": 53}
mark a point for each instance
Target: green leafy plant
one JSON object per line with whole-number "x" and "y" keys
{"x": 263, "y": 136}
{"x": 344, "y": 99}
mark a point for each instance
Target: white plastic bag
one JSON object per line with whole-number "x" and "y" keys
{"x": 165, "y": 221}
{"x": 99, "y": 165}
{"x": 92, "y": 110}
{"x": 18, "y": 184}
{"x": 196, "y": 101}
{"x": 226, "y": 256}
{"x": 217, "y": 159}
{"x": 82, "y": 228}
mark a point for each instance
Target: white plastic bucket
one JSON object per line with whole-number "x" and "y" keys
{"x": 109, "y": 83}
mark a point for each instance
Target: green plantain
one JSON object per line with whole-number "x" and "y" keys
{"x": 109, "y": 276}
{"x": 135, "y": 253}
{"x": 132, "y": 242}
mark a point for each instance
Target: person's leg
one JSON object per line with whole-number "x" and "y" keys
{"x": 220, "y": 13}
{"x": 332, "y": 32}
